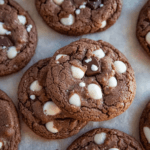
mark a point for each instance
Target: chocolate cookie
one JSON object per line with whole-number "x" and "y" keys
{"x": 145, "y": 127}
{"x": 91, "y": 80}
{"x": 18, "y": 37}
{"x": 9, "y": 124}
{"x": 38, "y": 110}
{"x": 105, "y": 139}
{"x": 78, "y": 17}
{"x": 143, "y": 27}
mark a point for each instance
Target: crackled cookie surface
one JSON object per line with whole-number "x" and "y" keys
{"x": 77, "y": 17}
{"x": 18, "y": 37}
{"x": 145, "y": 127}
{"x": 39, "y": 112}
{"x": 105, "y": 139}
{"x": 91, "y": 80}
{"x": 9, "y": 124}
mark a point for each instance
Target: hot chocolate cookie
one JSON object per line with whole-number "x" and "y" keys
{"x": 77, "y": 17}
{"x": 91, "y": 80}
{"x": 9, "y": 124}
{"x": 18, "y": 37}
{"x": 39, "y": 112}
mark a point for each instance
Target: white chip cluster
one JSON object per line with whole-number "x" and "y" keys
{"x": 3, "y": 31}
{"x": 60, "y": 56}
{"x": 12, "y": 52}
{"x": 77, "y": 72}
{"x": 75, "y": 100}
{"x": 22, "y": 19}
{"x": 35, "y": 86}
{"x": 146, "y": 131}
{"x": 58, "y": 2}
{"x": 99, "y": 53}
{"x": 68, "y": 21}
{"x": 100, "y": 138}
{"x": 50, "y": 127}
{"x": 120, "y": 67}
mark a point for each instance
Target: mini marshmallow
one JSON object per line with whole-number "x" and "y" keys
{"x": 113, "y": 149}
{"x": 100, "y": 138}
{"x": 82, "y": 84}
{"x": 103, "y": 24}
{"x": 59, "y": 56}
{"x": 29, "y": 27}
{"x": 147, "y": 133}
{"x": 50, "y": 108}
{"x": 1, "y": 144}
{"x": 88, "y": 60}
{"x": 12, "y": 52}
{"x": 50, "y": 127}
{"x": 22, "y": 19}
{"x": 35, "y": 86}
{"x": 148, "y": 37}
{"x": 99, "y": 53}
{"x": 3, "y": 31}
{"x": 77, "y": 11}
{"x": 2, "y": 2}
{"x": 58, "y": 2}
{"x": 94, "y": 68}
{"x": 120, "y": 67}
{"x": 32, "y": 97}
{"x": 77, "y": 72}
{"x": 95, "y": 91}
{"x": 68, "y": 21}
{"x": 75, "y": 100}
{"x": 112, "y": 82}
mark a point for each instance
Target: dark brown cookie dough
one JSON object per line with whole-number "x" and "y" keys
{"x": 143, "y": 27}
{"x": 91, "y": 80}
{"x": 9, "y": 124}
{"x": 145, "y": 127}
{"x": 18, "y": 37}
{"x": 105, "y": 139}
{"x": 78, "y": 17}
{"x": 38, "y": 110}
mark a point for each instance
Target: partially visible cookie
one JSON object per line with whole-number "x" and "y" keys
{"x": 143, "y": 27}
{"x": 78, "y": 17}
{"x": 9, "y": 124}
{"x": 105, "y": 139}
{"x": 91, "y": 80}
{"x": 18, "y": 37}
{"x": 145, "y": 127}
{"x": 38, "y": 110}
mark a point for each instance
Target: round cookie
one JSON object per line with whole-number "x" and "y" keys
{"x": 38, "y": 110}
{"x": 105, "y": 139}
{"x": 18, "y": 37}
{"x": 143, "y": 27}
{"x": 91, "y": 80}
{"x": 145, "y": 127}
{"x": 79, "y": 17}
{"x": 9, "y": 124}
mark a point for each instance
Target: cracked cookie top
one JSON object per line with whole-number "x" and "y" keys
{"x": 78, "y": 17}
{"x": 91, "y": 80}
{"x": 105, "y": 139}
{"x": 18, "y": 37}
{"x": 38, "y": 110}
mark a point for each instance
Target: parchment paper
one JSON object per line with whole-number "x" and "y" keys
{"x": 122, "y": 36}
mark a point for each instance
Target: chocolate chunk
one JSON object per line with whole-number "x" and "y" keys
{"x": 5, "y": 41}
{"x": 94, "y": 62}
{"x": 94, "y": 4}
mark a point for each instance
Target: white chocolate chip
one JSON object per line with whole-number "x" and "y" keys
{"x": 3, "y": 31}
{"x": 120, "y": 67}
{"x": 58, "y": 2}
{"x": 4, "y": 47}
{"x": 1, "y": 145}
{"x": 112, "y": 82}
{"x": 99, "y": 53}
{"x": 88, "y": 60}
{"x": 77, "y": 72}
{"x": 113, "y": 149}
{"x": 12, "y": 52}
{"x": 50, "y": 127}
{"x": 82, "y": 84}
{"x": 50, "y": 108}
{"x": 75, "y": 100}
{"x": 94, "y": 68}
{"x": 95, "y": 91}
{"x": 77, "y": 11}
{"x": 22, "y": 19}
{"x": 2, "y": 2}
{"x": 100, "y": 138}
{"x": 101, "y": 5}
{"x": 32, "y": 97}
{"x": 82, "y": 6}
{"x": 35, "y": 86}
{"x": 148, "y": 37}
{"x": 147, "y": 133}
{"x": 103, "y": 24}
{"x": 29, "y": 27}
{"x": 68, "y": 21}
{"x": 59, "y": 56}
